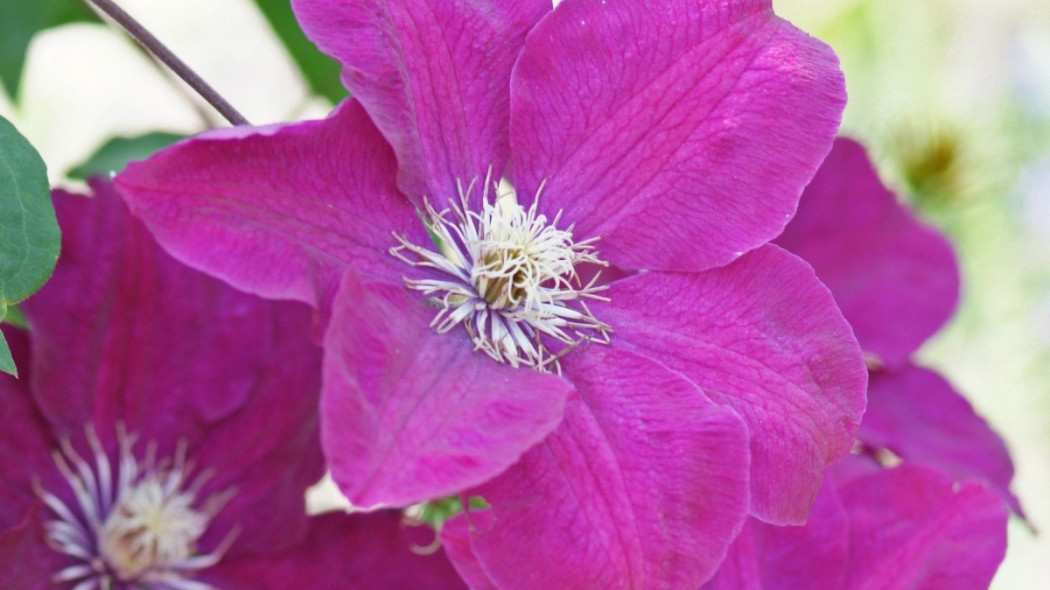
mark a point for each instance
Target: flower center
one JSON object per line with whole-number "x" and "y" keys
{"x": 509, "y": 277}
{"x": 154, "y": 524}
{"x": 137, "y": 524}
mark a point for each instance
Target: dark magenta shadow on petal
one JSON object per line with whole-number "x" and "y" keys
{"x": 117, "y": 330}
{"x": 680, "y": 132}
{"x": 362, "y": 551}
{"x": 895, "y": 278}
{"x": 124, "y": 332}
{"x": 769, "y": 557}
{"x": 908, "y": 528}
{"x": 409, "y": 414}
{"x": 25, "y": 448}
{"x": 269, "y": 452}
{"x": 763, "y": 336}
{"x": 278, "y": 211}
{"x": 27, "y": 561}
{"x": 916, "y": 413}
{"x": 434, "y": 76}
{"x": 126, "y": 336}
{"x": 644, "y": 485}
{"x": 914, "y": 528}
{"x": 812, "y": 556}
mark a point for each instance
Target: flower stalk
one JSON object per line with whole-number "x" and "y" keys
{"x": 161, "y": 52}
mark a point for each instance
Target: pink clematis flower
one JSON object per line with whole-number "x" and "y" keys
{"x": 907, "y": 528}
{"x": 938, "y": 520}
{"x": 897, "y": 282}
{"x": 620, "y": 278}
{"x": 165, "y": 429}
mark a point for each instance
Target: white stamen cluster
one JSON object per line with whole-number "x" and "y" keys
{"x": 138, "y": 526}
{"x": 510, "y": 278}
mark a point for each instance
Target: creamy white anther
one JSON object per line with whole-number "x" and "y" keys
{"x": 137, "y": 525}
{"x": 509, "y": 278}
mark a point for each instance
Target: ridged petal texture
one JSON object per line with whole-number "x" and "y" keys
{"x": 909, "y": 528}
{"x": 679, "y": 132}
{"x": 763, "y": 336}
{"x": 643, "y": 485}
{"x": 410, "y": 414}
{"x": 433, "y": 75}
{"x": 895, "y": 278}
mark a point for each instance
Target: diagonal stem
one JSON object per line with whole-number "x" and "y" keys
{"x": 154, "y": 46}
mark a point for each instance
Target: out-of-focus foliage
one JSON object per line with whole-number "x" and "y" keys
{"x": 20, "y": 20}
{"x": 118, "y": 151}
{"x": 29, "y": 236}
{"x": 938, "y": 90}
{"x": 321, "y": 72}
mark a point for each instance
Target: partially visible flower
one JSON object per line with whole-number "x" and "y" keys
{"x": 166, "y": 429}
{"x": 922, "y": 505}
{"x": 897, "y": 282}
{"x": 895, "y": 279}
{"x": 907, "y": 528}
{"x": 653, "y": 147}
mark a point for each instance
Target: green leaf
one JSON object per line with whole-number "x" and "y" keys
{"x": 29, "y": 236}
{"x": 7, "y": 364}
{"x": 20, "y": 20}
{"x": 321, "y": 71}
{"x": 118, "y": 151}
{"x": 15, "y": 317}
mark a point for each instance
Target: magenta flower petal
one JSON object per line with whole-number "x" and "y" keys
{"x": 208, "y": 485}
{"x": 433, "y": 76}
{"x": 895, "y": 278}
{"x": 770, "y": 557}
{"x": 455, "y": 538}
{"x": 763, "y": 336}
{"x": 278, "y": 211}
{"x": 25, "y": 447}
{"x": 916, "y": 414}
{"x": 228, "y": 355}
{"x": 25, "y": 555}
{"x": 253, "y": 451}
{"x": 100, "y": 312}
{"x": 915, "y": 528}
{"x": 705, "y": 120}
{"x": 126, "y": 339}
{"x": 644, "y": 484}
{"x": 909, "y": 528}
{"x": 369, "y": 551}
{"x": 408, "y": 414}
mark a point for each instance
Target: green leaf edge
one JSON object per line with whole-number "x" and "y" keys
{"x": 7, "y": 362}
{"x": 48, "y": 239}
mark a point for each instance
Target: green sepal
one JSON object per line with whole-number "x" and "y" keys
{"x": 437, "y": 512}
